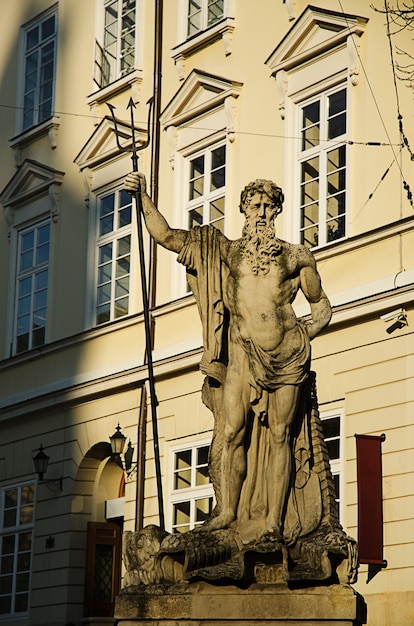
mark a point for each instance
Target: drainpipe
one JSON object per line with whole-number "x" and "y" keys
{"x": 154, "y": 180}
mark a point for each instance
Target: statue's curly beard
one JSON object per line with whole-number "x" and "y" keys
{"x": 260, "y": 247}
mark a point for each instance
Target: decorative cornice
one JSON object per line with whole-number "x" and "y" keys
{"x": 224, "y": 30}
{"x": 49, "y": 128}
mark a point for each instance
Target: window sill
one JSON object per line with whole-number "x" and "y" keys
{"x": 131, "y": 81}
{"x": 50, "y": 128}
{"x": 223, "y": 29}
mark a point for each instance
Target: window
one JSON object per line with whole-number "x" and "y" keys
{"x": 202, "y": 14}
{"x": 206, "y": 188}
{"x": 191, "y": 490}
{"x": 16, "y": 549}
{"x": 115, "y": 54}
{"x": 113, "y": 256}
{"x": 32, "y": 287}
{"x": 323, "y": 169}
{"x": 39, "y": 70}
{"x": 331, "y": 425}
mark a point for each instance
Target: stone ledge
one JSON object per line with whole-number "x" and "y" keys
{"x": 201, "y": 603}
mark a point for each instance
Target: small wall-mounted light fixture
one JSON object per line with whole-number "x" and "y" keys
{"x": 41, "y": 461}
{"x": 118, "y": 440}
{"x": 397, "y": 319}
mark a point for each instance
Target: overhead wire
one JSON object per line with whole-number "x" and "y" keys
{"x": 375, "y": 144}
{"x": 391, "y": 144}
{"x": 400, "y": 117}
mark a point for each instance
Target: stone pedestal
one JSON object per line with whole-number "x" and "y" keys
{"x": 203, "y": 604}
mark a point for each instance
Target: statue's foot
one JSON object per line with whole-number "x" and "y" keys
{"x": 223, "y": 520}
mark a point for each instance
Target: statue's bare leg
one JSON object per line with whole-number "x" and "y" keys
{"x": 284, "y": 405}
{"x": 236, "y": 403}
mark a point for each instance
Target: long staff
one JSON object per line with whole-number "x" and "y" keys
{"x": 147, "y": 322}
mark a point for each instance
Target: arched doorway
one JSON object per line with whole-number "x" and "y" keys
{"x": 99, "y": 496}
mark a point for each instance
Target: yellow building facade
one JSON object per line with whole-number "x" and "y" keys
{"x": 309, "y": 96}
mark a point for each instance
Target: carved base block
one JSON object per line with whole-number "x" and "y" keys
{"x": 203, "y": 604}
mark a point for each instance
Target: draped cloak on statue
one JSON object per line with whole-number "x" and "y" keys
{"x": 207, "y": 275}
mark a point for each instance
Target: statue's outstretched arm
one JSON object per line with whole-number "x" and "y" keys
{"x": 158, "y": 227}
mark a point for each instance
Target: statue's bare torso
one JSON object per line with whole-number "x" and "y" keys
{"x": 260, "y": 305}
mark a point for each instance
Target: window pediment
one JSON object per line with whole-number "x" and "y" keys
{"x": 102, "y": 144}
{"x": 201, "y": 96}
{"x": 315, "y": 31}
{"x": 199, "y": 93}
{"x": 31, "y": 181}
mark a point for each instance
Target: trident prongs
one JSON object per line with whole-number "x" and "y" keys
{"x": 134, "y": 148}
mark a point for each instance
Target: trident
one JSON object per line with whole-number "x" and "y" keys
{"x": 134, "y": 149}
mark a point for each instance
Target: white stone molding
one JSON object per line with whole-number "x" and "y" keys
{"x": 282, "y": 87}
{"x": 172, "y": 138}
{"x": 87, "y": 179}
{"x": 227, "y": 38}
{"x": 291, "y": 8}
{"x": 47, "y": 129}
{"x": 353, "y": 45}
{"x": 230, "y": 108}
{"x": 224, "y": 30}
{"x": 316, "y": 35}
{"x": 179, "y": 61}
{"x": 54, "y": 197}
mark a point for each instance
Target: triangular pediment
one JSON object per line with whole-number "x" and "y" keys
{"x": 32, "y": 179}
{"x": 199, "y": 93}
{"x": 315, "y": 31}
{"x": 102, "y": 144}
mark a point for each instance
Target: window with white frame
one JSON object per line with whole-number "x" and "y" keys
{"x": 39, "y": 70}
{"x": 32, "y": 279}
{"x": 191, "y": 493}
{"x": 331, "y": 424}
{"x": 206, "y": 180}
{"x": 322, "y": 165}
{"x": 205, "y": 202}
{"x": 16, "y": 527}
{"x": 201, "y": 14}
{"x": 115, "y": 50}
{"x": 113, "y": 265}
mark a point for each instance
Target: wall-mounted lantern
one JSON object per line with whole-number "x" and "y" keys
{"x": 118, "y": 440}
{"x": 41, "y": 462}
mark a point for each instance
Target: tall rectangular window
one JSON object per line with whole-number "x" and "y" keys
{"x": 115, "y": 53}
{"x": 331, "y": 425}
{"x": 39, "y": 71}
{"x": 16, "y": 527}
{"x": 32, "y": 287}
{"x": 113, "y": 256}
{"x": 191, "y": 497}
{"x": 201, "y": 14}
{"x": 205, "y": 200}
{"x": 322, "y": 163}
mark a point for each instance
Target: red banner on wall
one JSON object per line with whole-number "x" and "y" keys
{"x": 369, "y": 479}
